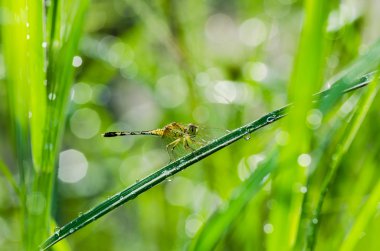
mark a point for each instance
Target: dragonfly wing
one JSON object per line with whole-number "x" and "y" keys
{"x": 205, "y": 135}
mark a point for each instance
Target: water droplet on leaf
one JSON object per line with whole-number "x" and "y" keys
{"x": 247, "y": 136}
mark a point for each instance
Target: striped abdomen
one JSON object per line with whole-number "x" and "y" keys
{"x": 157, "y": 132}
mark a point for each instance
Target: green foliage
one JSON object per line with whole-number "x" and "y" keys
{"x": 306, "y": 182}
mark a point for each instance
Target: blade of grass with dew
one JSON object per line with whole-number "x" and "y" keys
{"x": 167, "y": 171}
{"x": 337, "y": 157}
{"x": 37, "y": 90}
{"x": 24, "y": 60}
{"x": 14, "y": 35}
{"x": 65, "y": 20}
{"x": 306, "y": 79}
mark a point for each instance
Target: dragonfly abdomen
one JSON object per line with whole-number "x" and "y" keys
{"x": 157, "y": 132}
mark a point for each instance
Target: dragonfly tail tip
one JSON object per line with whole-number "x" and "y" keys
{"x": 109, "y": 134}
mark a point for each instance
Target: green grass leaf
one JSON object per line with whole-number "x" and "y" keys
{"x": 38, "y": 88}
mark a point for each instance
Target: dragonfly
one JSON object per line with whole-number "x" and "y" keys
{"x": 180, "y": 138}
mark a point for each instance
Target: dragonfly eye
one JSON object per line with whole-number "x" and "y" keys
{"x": 192, "y": 129}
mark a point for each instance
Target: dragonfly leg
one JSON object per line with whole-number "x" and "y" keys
{"x": 186, "y": 143}
{"x": 170, "y": 148}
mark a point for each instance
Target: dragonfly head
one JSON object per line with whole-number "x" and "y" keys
{"x": 192, "y": 130}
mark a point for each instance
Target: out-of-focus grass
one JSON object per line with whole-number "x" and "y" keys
{"x": 370, "y": 207}
{"x": 291, "y": 177}
{"x": 218, "y": 63}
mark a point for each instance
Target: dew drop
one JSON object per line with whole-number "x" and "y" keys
{"x": 166, "y": 173}
{"x": 247, "y": 136}
{"x": 71, "y": 230}
{"x": 314, "y": 220}
{"x": 77, "y": 61}
{"x": 271, "y": 118}
{"x": 49, "y": 146}
{"x": 132, "y": 195}
{"x": 268, "y": 228}
{"x": 303, "y": 189}
{"x": 52, "y": 96}
{"x": 304, "y": 160}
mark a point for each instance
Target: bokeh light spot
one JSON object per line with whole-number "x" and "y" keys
{"x": 85, "y": 123}
{"x": 77, "y": 61}
{"x": 193, "y": 223}
{"x": 314, "y": 118}
{"x": 171, "y": 90}
{"x": 304, "y": 160}
{"x": 258, "y": 71}
{"x": 175, "y": 190}
{"x": 268, "y": 228}
{"x": 82, "y": 93}
{"x": 252, "y": 32}
{"x": 72, "y": 166}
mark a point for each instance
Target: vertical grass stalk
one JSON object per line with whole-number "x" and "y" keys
{"x": 38, "y": 58}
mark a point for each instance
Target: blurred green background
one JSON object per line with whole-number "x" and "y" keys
{"x": 221, "y": 64}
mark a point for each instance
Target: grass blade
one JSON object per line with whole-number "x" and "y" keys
{"x": 8, "y": 175}
{"x": 307, "y": 77}
{"x": 38, "y": 86}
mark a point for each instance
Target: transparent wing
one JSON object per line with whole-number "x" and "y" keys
{"x": 207, "y": 134}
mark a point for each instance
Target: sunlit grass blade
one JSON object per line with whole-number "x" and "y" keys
{"x": 306, "y": 79}
{"x": 167, "y": 171}
{"x": 66, "y": 22}
{"x": 24, "y": 59}
{"x": 37, "y": 124}
{"x": 15, "y": 48}
{"x": 37, "y": 85}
